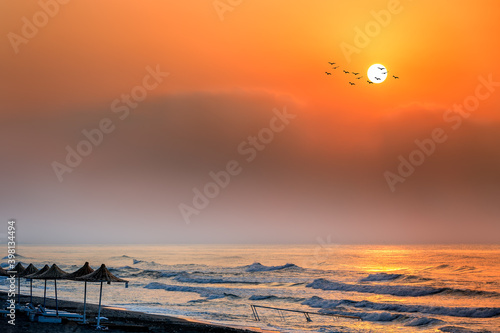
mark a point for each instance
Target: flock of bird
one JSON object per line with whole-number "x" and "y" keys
{"x": 356, "y": 74}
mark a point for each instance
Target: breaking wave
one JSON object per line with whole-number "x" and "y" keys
{"x": 203, "y": 280}
{"x": 469, "y": 312}
{"x": 395, "y": 290}
{"x": 458, "y": 329}
{"x": 381, "y": 277}
{"x": 258, "y": 267}
{"x": 274, "y": 298}
{"x": 208, "y": 293}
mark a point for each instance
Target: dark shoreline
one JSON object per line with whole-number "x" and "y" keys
{"x": 119, "y": 320}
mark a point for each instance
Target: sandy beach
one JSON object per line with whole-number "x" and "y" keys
{"x": 120, "y": 320}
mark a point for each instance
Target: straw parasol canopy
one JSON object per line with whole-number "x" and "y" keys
{"x": 31, "y": 269}
{"x": 3, "y": 272}
{"x": 101, "y": 275}
{"x": 54, "y": 273}
{"x": 40, "y": 272}
{"x": 18, "y": 269}
{"x": 84, "y": 270}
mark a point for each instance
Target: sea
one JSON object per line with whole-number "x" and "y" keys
{"x": 410, "y": 288}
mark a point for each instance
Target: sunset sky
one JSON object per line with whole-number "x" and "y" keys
{"x": 231, "y": 69}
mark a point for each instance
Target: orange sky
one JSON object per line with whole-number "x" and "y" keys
{"x": 263, "y": 55}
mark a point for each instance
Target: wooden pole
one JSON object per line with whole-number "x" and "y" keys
{"x": 57, "y": 306}
{"x": 84, "y": 302}
{"x": 99, "y": 312}
{"x": 44, "y": 293}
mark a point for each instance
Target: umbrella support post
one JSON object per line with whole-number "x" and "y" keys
{"x": 99, "y": 312}
{"x": 85, "y": 302}
{"x": 44, "y": 293}
{"x": 57, "y": 306}
{"x": 31, "y": 291}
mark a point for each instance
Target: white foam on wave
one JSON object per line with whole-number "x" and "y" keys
{"x": 258, "y": 267}
{"x": 423, "y": 321}
{"x": 208, "y": 293}
{"x": 381, "y": 277}
{"x": 468, "y": 312}
{"x": 458, "y": 329}
{"x": 273, "y": 298}
{"x": 395, "y": 290}
{"x": 203, "y": 280}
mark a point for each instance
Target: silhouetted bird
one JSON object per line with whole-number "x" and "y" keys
{"x": 370, "y": 82}
{"x": 355, "y": 73}
{"x": 396, "y": 77}
{"x": 335, "y": 67}
{"x": 359, "y": 77}
{"x": 331, "y": 63}
{"x": 328, "y": 73}
{"x": 384, "y": 73}
{"x": 381, "y": 68}
{"x": 345, "y": 71}
{"x": 352, "y": 84}
{"x": 378, "y": 78}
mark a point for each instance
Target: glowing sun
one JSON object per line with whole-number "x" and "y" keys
{"x": 377, "y": 73}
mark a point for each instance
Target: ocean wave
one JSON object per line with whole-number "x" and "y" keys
{"x": 380, "y": 277}
{"x": 137, "y": 261}
{"x": 423, "y": 321}
{"x": 274, "y": 298}
{"x": 395, "y": 290}
{"x": 124, "y": 269}
{"x": 153, "y": 274}
{"x": 368, "y": 316}
{"x": 458, "y": 329}
{"x": 415, "y": 278}
{"x": 121, "y": 257}
{"x": 208, "y": 293}
{"x": 383, "y": 316}
{"x": 465, "y": 269}
{"x": 127, "y": 271}
{"x": 258, "y": 267}
{"x": 203, "y": 280}
{"x": 469, "y": 312}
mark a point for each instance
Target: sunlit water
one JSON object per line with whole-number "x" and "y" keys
{"x": 392, "y": 288}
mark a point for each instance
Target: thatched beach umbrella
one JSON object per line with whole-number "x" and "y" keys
{"x": 31, "y": 269}
{"x": 54, "y": 273}
{"x": 84, "y": 270}
{"x": 3, "y": 272}
{"x": 18, "y": 269}
{"x": 40, "y": 272}
{"x": 101, "y": 275}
